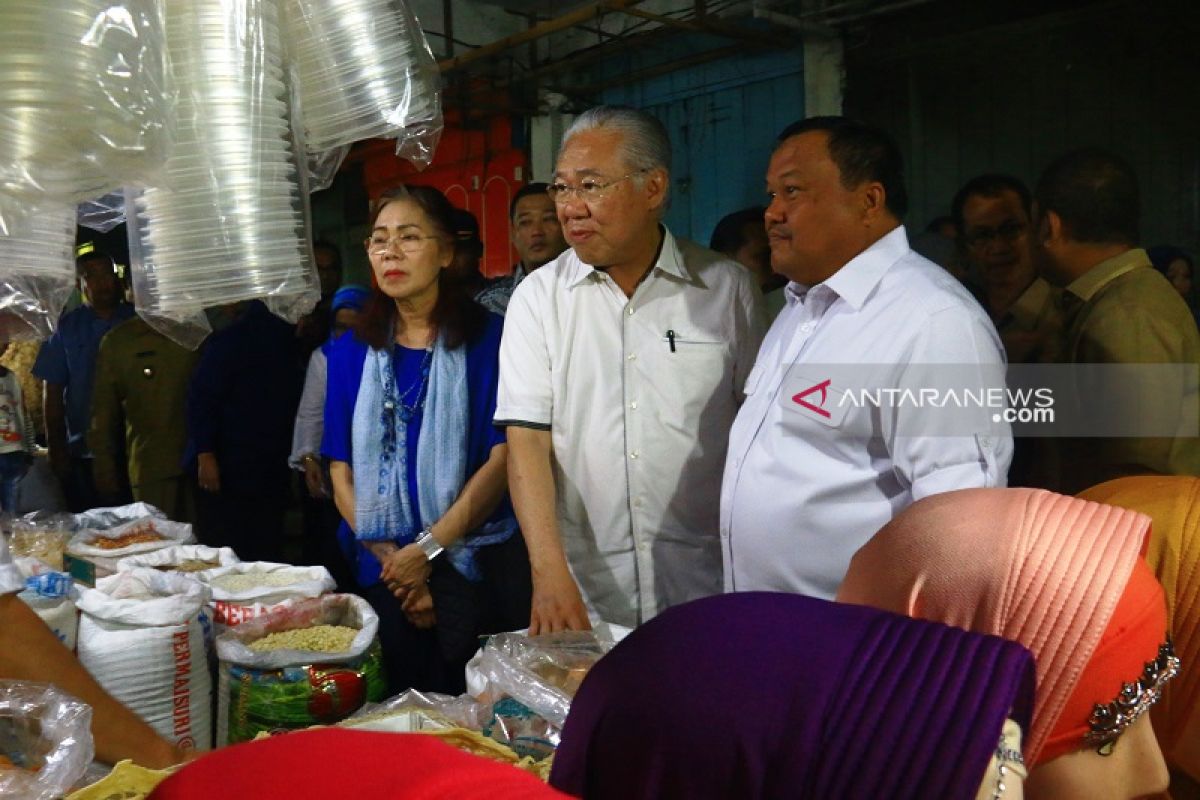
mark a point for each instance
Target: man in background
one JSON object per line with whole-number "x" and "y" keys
{"x": 138, "y": 428}
{"x": 742, "y": 236}
{"x": 538, "y": 237}
{"x": 1117, "y": 309}
{"x": 67, "y": 363}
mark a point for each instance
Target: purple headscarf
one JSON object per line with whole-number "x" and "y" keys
{"x": 762, "y": 695}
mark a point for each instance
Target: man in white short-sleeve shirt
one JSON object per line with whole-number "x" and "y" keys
{"x": 810, "y": 476}
{"x": 621, "y": 370}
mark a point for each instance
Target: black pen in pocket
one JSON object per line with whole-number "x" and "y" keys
{"x": 670, "y": 339}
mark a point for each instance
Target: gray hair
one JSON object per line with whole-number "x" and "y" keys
{"x": 646, "y": 144}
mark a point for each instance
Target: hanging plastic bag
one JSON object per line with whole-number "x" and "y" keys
{"x": 46, "y": 735}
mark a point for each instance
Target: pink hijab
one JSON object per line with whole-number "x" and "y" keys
{"x": 1036, "y": 567}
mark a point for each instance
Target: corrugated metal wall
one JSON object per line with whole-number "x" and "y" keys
{"x": 723, "y": 117}
{"x": 1011, "y": 98}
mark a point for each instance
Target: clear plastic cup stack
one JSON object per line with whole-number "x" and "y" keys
{"x": 84, "y": 97}
{"x": 37, "y": 271}
{"x": 228, "y": 221}
{"x": 364, "y": 70}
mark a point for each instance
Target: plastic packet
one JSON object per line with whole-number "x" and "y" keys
{"x": 45, "y": 542}
{"x": 86, "y": 97}
{"x": 46, "y": 735}
{"x": 412, "y": 710}
{"x": 542, "y": 672}
{"x": 110, "y": 516}
{"x": 102, "y": 213}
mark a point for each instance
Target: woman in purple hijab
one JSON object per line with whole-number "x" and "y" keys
{"x": 762, "y": 695}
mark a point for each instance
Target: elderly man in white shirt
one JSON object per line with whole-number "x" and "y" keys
{"x": 621, "y": 370}
{"x": 809, "y": 476}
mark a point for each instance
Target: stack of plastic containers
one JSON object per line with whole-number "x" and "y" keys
{"x": 84, "y": 108}
{"x": 363, "y": 70}
{"x": 37, "y": 271}
{"x": 228, "y": 221}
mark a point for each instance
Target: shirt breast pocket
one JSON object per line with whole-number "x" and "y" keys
{"x": 689, "y": 374}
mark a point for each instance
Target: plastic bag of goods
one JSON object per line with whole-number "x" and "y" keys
{"x": 312, "y": 663}
{"x": 530, "y": 682}
{"x": 141, "y": 636}
{"x": 44, "y": 541}
{"x": 184, "y": 558}
{"x": 48, "y": 594}
{"x": 139, "y": 536}
{"x": 249, "y": 589}
{"x": 412, "y": 711}
{"x": 45, "y": 741}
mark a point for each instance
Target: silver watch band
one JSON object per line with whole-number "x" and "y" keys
{"x": 428, "y": 544}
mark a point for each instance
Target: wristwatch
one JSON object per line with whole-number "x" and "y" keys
{"x": 429, "y": 545}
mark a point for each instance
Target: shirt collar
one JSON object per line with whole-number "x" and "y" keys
{"x": 670, "y": 261}
{"x": 855, "y": 281}
{"x": 1089, "y": 283}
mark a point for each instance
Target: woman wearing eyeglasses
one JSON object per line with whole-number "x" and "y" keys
{"x": 418, "y": 469}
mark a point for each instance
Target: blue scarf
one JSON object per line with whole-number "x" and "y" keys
{"x": 382, "y": 506}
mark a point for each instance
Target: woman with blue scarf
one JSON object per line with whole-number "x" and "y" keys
{"x": 418, "y": 469}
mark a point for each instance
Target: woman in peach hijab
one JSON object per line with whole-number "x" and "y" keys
{"x": 1173, "y": 502}
{"x": 1063, "y": 577}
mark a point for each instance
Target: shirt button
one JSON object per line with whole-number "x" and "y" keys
{"x": 643, "y": 546}
{"x": 631, "y": 357}
{"x": 637, "y": 502}
{"x": 806, "y": 327}
{"x": 633, "y": 405}
{"x": 633, "y": 453}
{"x": 985, "y": 442}
{"x": 630, "y": 311}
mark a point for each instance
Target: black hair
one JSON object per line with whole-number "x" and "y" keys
{"x": 862, "y": 153}
{"x": 729, "y": 235}
{"x": 94, "y": 255}
{"x": 989, "y": 185}
{"x": 528, "y": 190}
{"x": 1095, "y": 194}
{"x": 329, "y": 247}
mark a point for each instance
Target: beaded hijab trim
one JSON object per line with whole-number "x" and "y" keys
{"x": 1109, "y": 720}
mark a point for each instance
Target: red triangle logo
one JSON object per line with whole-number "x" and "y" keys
{"x": 821, "y": 387}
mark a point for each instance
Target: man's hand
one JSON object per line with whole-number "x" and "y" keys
{"x": 208, "y": 475}
{"x": 406, "y": 568}
{"x": 418, "y": 607}
{"x": 314, "y": 478}
{"x": 557, "y": 605}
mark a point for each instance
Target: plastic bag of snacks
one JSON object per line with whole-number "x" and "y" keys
{"x": 185, "y": 558}
{"x": 542, "y": 672}
{"x": 45, "y": 541}
{"x": 45, "y": 740}
{"x": 412, "y": 711}
{"x": 312, "y": 663}
{"x": 249, "y": 589}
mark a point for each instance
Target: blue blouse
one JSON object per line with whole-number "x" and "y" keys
{"x": 346, "y": 359}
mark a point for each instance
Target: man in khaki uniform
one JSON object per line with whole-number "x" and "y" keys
{"x": 138, "y": 426}
{"x": 1117, "y": 309}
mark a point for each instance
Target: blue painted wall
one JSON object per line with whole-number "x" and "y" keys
{"x": 723, "y": 117}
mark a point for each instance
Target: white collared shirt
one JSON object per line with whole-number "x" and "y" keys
{"x": 638, "y": 394}
{"x": 800, "y": 495}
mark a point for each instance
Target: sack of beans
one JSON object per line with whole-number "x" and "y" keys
{"x": 313, "y": 662}
{"x": 138, "y": 536}
{"x": 249, "y": 589}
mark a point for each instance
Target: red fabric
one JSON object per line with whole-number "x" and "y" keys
{"x": 1137, "y": 627}
{"x": 361, "y": 765}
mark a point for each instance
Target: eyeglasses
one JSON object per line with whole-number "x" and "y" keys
{"x": 410, "y": 243}
{"x": 589, "y": 190}
{"x": 1008, "y": 232}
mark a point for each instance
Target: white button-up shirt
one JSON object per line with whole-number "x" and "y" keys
{"x": 801, "y": 493}
{"x": 638, "y": 394}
